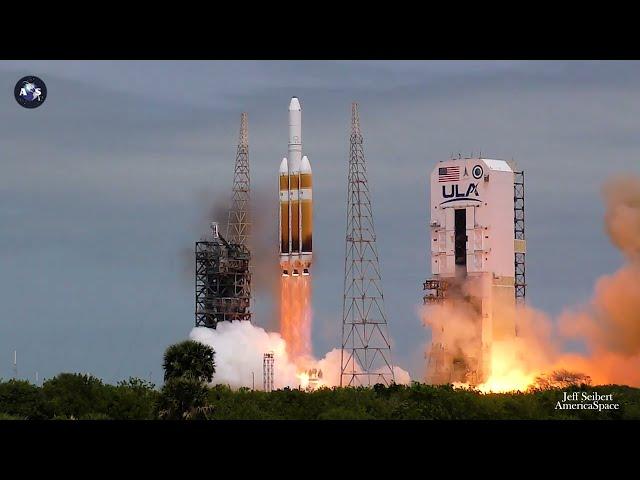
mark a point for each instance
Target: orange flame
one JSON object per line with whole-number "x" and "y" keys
{"x": 508, "y": 371}
{"x": 295, "y": 317}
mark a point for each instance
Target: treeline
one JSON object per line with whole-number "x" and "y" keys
{"x": 189, "y": 367}
{"x": 75, "y": 396}
{"x": 415, "y": 402}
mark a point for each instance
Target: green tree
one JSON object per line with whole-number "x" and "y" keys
{"x": 132, "y": 399}
{"x": 22, "y": 399}
{"x": 6, "y": 416}
{"x": 183, "y": 398}
{"x": 189, "y": 359}
{"x": 74, "y": 395}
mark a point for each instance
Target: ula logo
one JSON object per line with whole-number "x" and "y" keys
{"x": 455, "y": 195}
{"x": 30, "y": 92}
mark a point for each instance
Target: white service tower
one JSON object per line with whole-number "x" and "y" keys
{"x": 473, "y": 249}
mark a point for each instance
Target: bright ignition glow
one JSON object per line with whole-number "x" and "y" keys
{"x": 508, "y": 372}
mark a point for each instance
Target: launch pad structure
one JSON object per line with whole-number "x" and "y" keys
{"x": 222, "y": 266}
{"x": 223, "y": 281}
{"x": 437, "y": 288}
{"x": 267, "y": 371}
{"x": 518, "y": 233}
{"x": 478, "y": 251}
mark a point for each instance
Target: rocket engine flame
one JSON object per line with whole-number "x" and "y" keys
{"x": 295, "y": 316}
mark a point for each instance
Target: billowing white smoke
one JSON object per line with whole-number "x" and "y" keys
{"x": 240, "y": 347}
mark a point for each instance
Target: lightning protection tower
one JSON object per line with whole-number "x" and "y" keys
{"x": 366, "y": 351}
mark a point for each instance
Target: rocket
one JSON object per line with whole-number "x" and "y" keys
{"x": 296, "y": 201}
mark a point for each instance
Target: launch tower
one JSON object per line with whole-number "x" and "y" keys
{"x": 223, "y": 276}
{"x": 477, "y": 260}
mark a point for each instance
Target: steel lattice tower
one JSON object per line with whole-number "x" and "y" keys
{"x": 366, "y": 351}
{"x": 223, "y": 274}
{"x": 239, "y": 224}
{"x": 267, "y": 371}
{"x": 518, "y": 225}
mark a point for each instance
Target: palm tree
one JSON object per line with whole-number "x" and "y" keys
{"x": 189, "y": 359}
{"x": 183, "y": 398}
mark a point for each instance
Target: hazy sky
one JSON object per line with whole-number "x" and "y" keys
{"x": 106, "y": 186}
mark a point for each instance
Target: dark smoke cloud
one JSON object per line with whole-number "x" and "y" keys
{"x": 264, "y": 253}
{"x": 214, "y": 207}
{"x": 210, "y": 207}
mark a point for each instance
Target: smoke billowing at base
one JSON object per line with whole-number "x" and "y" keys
{"x": 608, "y": 325}
{"x": 240, "y": 346}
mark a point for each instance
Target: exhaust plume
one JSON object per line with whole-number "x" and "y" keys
{"x": 240, "y": 347}
{"x": 609, "y": 324}
{"x": 295, "y": 315}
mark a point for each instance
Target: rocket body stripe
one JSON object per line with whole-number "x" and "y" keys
{"x": 306, "y": 180}
{"x": 284, "y": 207}
{"x": 307, "y": 231}
{"x": 306, "y": 205}
{"x": 295, "y": 226}
{"x": 284, "y": 229}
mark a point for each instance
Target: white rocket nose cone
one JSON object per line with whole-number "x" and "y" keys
{"x": 283, "y": 166}
{"x": 295, "y": 104}
{"x": 305, "y": 166}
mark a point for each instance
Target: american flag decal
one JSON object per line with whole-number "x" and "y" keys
{"x": 448, "y": 174}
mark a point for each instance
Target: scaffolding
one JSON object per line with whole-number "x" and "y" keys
{"x": 267, "y": 371}
{"x": 436, "y": 291}
{"x": 518, "y": 229}
{"x": 223, "y": 281}
{"x": 223, "y": 274}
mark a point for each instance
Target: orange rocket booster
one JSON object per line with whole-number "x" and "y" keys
{"x": 296, "y": 201}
